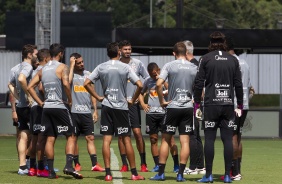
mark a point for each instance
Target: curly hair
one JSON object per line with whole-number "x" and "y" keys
{"x": 217, "y": 41}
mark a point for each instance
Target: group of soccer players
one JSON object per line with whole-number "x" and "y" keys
{"x": 54, "y": 99}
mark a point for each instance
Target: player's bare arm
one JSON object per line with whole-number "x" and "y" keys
{"x": 90, "y": 87}
{"x": 66, "y": 84}
{"x": 31, "y": 87}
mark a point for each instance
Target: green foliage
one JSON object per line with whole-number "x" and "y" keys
{"x": 260, "y": 100}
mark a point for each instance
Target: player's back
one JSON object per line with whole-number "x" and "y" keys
{"x": 53, "y": 87}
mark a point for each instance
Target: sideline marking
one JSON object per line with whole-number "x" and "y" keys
{"x": 115, "y": 168}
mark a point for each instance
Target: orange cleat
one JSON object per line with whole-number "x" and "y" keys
{"x": 42, "y": 173}
{"x": 98, "y": 167}
{"x": 32, "y": 172}
{"x": 138, "y": 177}
{"x": 124, "y": 168}
{"x": 77, "y": 167}
{"x": 108, "y": 178}
{"x": 144, "y": 168}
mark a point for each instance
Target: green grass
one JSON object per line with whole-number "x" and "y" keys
{"x": 262, "y": 160}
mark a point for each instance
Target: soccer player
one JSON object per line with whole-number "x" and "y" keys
{"x": 113, "y": 76}
{"x": 81, "y": 109}
{"x": 56, "y": 117}
{"x": 248, "y": 92}
{"x": 219, "y": 73}
{"x": 180, "y": 74}
{"x": 22, "y": 78}
{"x": 134, "y": 111}
{"x": 155, "y": 115}
{"x": 38, "y": 141}
{"x": 196, "y": 145}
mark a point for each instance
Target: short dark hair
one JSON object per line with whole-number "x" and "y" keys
{"x": 76, "y": 55}
{"x": 179, "y": 49}
{"x": 152, "y": 66}
{"x": 112, "y": 49}
{"x": 28, "y": 48}
{"x": 124, "y": 43}
{"x": 229, "y": 43}
{"x": 56, "y": 48}
{"x": 217, "y": 41}
{"x": 43, "y": 53}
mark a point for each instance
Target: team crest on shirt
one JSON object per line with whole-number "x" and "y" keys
{"x": 134, "y": 67}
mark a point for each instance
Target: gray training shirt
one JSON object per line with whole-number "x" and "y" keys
{"x": 153, "y": 100}
{"x": 113, "y": 76}
{"x": 140, "y": 70}
{"x": 81, "y": 100}
{"x": 180, "y": 74}
{"x": 13, "y": 74}
{"x": 245, "y": 70}
{"x": 53, "y": 87}
{"x": 26, "y": 70}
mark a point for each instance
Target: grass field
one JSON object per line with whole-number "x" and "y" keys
{"x": 262, "y": 161}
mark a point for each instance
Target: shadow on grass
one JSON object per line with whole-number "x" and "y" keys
{"x": 114, "y": 178}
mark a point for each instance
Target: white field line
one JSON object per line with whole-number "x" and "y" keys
{"x": 117, "y": 176}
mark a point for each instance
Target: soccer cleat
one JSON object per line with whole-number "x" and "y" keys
{"x": 144, "y": 168}
{"x": 158, "y": 178}
{"x": 72, "y": 172}
{"x": 108, "y": 178}
{"x": 124, "y": 168}
{"x": 155, "y": 169}
{"x": 222, "y": 177}
{"x": 227, "y": 179}
{"x": 22, "y": 172}
{"x": 190, "y": 171}
{"x": 238, "y": 177}
{"x": 206, "y": 179}
{"x": 97, "y": 167}
{"x": 77, "y": 167}
{"x": 201, "y": 171}
{"x": 138, "y": 177}
{"x": 176, "y": 168}
{"x": 52, "y": 175}
{"x": 180, "y": 178}
{"x": 42, "y": 173}
{"x": 32, "y": 172}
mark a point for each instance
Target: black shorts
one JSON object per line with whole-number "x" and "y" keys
{"x": 219, "y": 116}
{"x": 181, "y": 118}
{"x": 57, "y": 122}
{"x": 84, "y": 123}
{"x": 114, "y": 121}
{"x": 23, "y": 117}
{"x": 35, "y": 119}
{"x": 239, "y": 121}
{"x": 154, "y": 123}
{"x": 135, "y": 116}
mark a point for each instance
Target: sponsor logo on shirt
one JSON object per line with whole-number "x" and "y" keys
{"x": 111, "y": 89}
{"x": 122, "y": 130}
{"x": 221, "y": 85}
{"x": 217, "y": 57}
{"x": 109, "y": 67}
{"x": 79, "y": 89}
{"x": 153, "y": 93}
{"x": 104, "y": 128}
{"x": 62, "y": 128}
{"x": 183, "y": 67}
{"x": 222, "y": 93}
{"x": 170, "y": 128}
{"x": 81, "y": 108}
{"x": 209, "y": 124}
{"x": 181, "y": 90}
